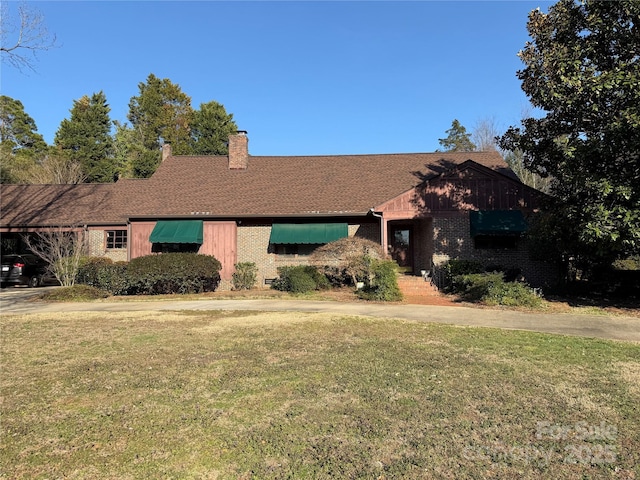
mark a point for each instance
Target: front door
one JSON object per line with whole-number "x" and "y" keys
{"x": 401, "y": 247}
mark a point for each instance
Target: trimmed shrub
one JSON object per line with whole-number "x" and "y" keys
{"x": 173, "y": 273}
{"x": 245, "y": 276}
{"x": 103, "y": 273}
{"x": 383, "y": 283}
{"x": 299, "y": 279}
{"x": 88, "y": 269}
{"x": 114, "y": 278}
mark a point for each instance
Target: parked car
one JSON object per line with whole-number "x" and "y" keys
{"x": 24, "y": 269}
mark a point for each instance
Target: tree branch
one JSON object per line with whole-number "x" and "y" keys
{"x": 30, "y": 37}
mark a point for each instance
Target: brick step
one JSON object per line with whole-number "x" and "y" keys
{"x": 412, "y": 285}
{"x": 416, "y": 291}
{"x": 417, "y": 288}
{"x": 410, "y": 278}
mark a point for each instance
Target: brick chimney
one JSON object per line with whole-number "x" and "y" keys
{"x": 166, "y": 151}
{"x": 239, "y": 151}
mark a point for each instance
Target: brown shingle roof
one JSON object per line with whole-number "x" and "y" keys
{"x": 57, "y": 204}
{"x": 295, "y": 185}
{"x": 270, "y": 186}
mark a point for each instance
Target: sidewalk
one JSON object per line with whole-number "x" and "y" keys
{"x": 598, "y": 326}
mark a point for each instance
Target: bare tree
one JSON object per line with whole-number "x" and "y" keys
{"x": 62, "y": 248}
{"x": 484, "y": 134}
{"x": 515, "y": 160}
{"x": 21, "y": 41}
{"x": 55, "y": 169}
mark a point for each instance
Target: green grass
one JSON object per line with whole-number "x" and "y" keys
{"x": 280, "y": 395}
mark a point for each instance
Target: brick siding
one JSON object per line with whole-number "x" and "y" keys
{"x": 253, "y": 246}
{"x": 97, "y": 247}
{"x": 452, "y": 240}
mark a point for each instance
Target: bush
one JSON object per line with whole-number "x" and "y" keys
{"x": 173, "y": 273}
{"x": 474, "y": 287}
{"x": 457, "y": 267}
{"x": 245, "y": 276}
{"x": 621, "y": 278}
{"x": 383, "y": 283}
{"x": 345, "y": 261}
{"x": 90, "y": 268}
{"x": 492, "y": 289}
{"x": 627, "y": 264}
{"x": 103, "y": 273}
{"x": 299, "y": 279}
{"x": 512, "y": 294}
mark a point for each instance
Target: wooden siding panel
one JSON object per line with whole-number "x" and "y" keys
{"x": 221, "y": 241}
{"x": 139, "y": 241}
{"x": 404, "y": 206}
{"x": 468, "y": 190}
{"x": 473, "y": 188}
{"x": 475, "y": 194}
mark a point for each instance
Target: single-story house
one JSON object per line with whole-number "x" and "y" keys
{"x": 423, "y": 208}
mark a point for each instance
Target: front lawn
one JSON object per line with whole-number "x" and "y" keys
{"x": 290, "y": 395}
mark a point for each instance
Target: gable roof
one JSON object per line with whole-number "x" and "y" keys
{"x": 269, "y": 186}
{"x": 281, "y": 186}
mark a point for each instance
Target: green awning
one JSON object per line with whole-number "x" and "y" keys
{"x": 497, "y": 222}
{"x": 177, "y": 231}
{"x": 297, "y": 233}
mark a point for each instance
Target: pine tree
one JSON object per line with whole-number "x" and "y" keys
{"x": 161, "y": 114}
{"x": 210, "y": 129}
{"x": 85, "y": 137}
{"x": 20, "y": 145}
{"x": 457, "y": 140}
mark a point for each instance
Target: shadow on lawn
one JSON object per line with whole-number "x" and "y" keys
{"x": 616, "y": 304}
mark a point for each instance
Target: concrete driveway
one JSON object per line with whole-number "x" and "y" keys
{"x": 21, "y": 301}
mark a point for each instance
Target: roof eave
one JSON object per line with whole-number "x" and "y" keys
{"x": 206, "y": 215}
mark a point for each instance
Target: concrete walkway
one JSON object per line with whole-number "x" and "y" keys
{"x": 599, "y": 326}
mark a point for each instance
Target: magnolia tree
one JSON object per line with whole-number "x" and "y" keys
{"x": 62, "y": 248}
{"x": 582, "y": 71}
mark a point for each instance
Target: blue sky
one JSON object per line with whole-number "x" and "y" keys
{"x": 303, "y": 78}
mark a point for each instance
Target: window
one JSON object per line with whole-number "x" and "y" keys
{"x": 116, "y": 239}
{"x": 295, "y": 249}
{"x": 175, "y": 247}
{"x": 495, "y": 242}
{"x": 301, "y": 239}
{"x": 304, "y": 233}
